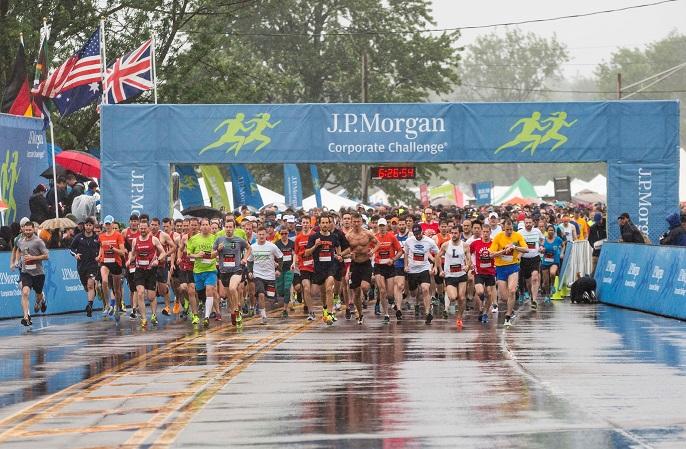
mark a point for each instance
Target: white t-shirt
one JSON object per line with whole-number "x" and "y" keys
{"x": 454, "y": 262}
{"x": 533, "y": 240}
{"x": 418, "y": 253}
{"x": 495, "y": 231}
{"x": 264, "y": 257}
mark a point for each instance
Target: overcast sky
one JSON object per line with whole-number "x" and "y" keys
{"x": 590, "y": 40}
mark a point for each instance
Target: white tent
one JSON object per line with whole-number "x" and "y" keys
{"x": 268, "y": 196}
{"x": 547, "y": 189}
{"x": 329, "y": 200}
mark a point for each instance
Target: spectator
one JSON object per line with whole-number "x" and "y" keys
{"x": 38, "y": 205}
{"x": 596, "y": 236}
{"x": 83, "y": 205}
{"x": 61, "y": 187}
{"x": 67, "y": 238}
{"x": 628, "y": 231}
{"x": 677, "y": 230}
{"x": 71, "y": 183}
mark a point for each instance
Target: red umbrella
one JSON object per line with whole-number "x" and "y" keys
{"x": 79, "y": 162}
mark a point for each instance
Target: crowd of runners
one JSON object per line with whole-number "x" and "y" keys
{"x": 398, "y": 262}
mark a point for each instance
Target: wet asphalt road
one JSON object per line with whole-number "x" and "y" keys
{"x": 566, "y": 376}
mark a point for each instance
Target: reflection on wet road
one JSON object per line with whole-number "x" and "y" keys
{"x": 563, "y": 377}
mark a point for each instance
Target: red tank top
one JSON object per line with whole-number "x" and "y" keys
{"x": 130, "y": 236}
{"x": 145, "y": 253}
{"x": 185, "y": 263}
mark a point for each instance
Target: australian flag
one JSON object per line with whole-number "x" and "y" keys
{"x": 82, "y": 85}
{"x": 130, "y": 75}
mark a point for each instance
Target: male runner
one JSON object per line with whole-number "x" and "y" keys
{"x": 111, "y": 258}
{"x": 531, "y": 260}
{"x": 506, "y": 248}
{"x": 418, "y": 248}
{"x": 85, "y": 248}
{"x": 438, "y": 285}
{"x": 457, "y": 261}
{"x": 264, "y": 259}
{"x": 305, "y": 266}
{"x": 388, "y": 252}
{"x": 199, "y": 247}
{"x": 232, "y": 253}
{"x": 147, "y": 253}
{"x": 483, "y": 269}
{"x": 325, "y": 249}
{"x": 32, "y": 252}
{"x": 285, "y": 281}
{"x": 163, "y": 269}
{"x": 399, "y": 266}
{"x": 362, "y": 246}
{"x": 130, "y": 234}
{"x": 186, "y": 279}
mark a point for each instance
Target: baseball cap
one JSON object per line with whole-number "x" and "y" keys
{"x": 382, "y": 222}
{"x": 23, "y": 221}
{"x": 417, "y": 229}
{"x": 269, "y": 224}
{"x": 251, "y": 218}
{"x": 394, "y": 220}
{"x": 108, "y": 219}
{"x": 493, "y": 215}
{"x": 597, "y": 217}
{"x": 289, "y": 218}
{"x": 624, "y": 215}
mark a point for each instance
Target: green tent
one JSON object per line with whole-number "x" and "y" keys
{"x": 521, "y": 188}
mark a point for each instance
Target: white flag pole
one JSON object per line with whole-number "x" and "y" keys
{"x": 45, "y": 36}
{"x": 154, "y": 68}
{"x": 104, "y": 61}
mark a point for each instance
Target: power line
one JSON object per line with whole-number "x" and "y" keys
{"x": 473, "y": 86}
{"x": 449, "y": 29}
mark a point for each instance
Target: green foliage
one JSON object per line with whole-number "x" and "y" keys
{"x": 510, "y": 67}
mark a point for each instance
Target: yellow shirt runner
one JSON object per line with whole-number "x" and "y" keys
{"x": 502, "y": 241}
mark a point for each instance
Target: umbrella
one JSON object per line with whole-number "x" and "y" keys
{"x": 280, "y": 207}
{"x": 3, "y": 206}
{"x": 203, "y": 212}
{"x": 518, "y": 201}
{"x": 79, "y": 162}
{"x": 61, "y": 171}
{"x": 251, "y": 209}
{"x": 57, "y": 223}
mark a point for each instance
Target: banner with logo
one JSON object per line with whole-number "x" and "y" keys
{"x": 189, "y": 187}
{"x": 643, "y": 277}
{"x": 646, "y": 191}
{"x": 143, "y": 187}
{"x": 23, "y": 157}
{"x": 245, "y": 191}
{"x": 292, "y": 186}
{"x": 314, "y": 172}
{"x": 483, "y": 192}
{"x": 62, "y": 285}
{"x": 623, "y": 134}
{"x": 216, "y": 190}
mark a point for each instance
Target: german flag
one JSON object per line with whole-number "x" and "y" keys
{"x": 16, "y": 99}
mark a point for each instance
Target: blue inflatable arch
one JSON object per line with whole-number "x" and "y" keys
{"x": 639, "y": 141}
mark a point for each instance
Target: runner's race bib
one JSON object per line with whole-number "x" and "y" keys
{"x": 308, "y": 263}
{"x": 348, "y": 260}
{"x": 108, "y": 259}
{"x": 229, "y": 261}
{"x": 455, "y": 268}
{"x": 132, "y": 270}
{"x": 325, "y": 256}
{"x": 287, "y": 256}
{"x": 418, "y": 257}
{"x": 549, "y": 258}
{"x": 384, "y": 257}
{"x": 531, "y": 245}
{"x": 207, "y": 257}
{"x": 30, "y": 267}
{"x": 507, "y": 258}
{"x": 271, "y": 290}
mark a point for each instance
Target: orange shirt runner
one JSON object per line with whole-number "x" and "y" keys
{"x": 107, "y": 242}
{"x": 387, "y": 248}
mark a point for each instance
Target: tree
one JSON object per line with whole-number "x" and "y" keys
{"x": 512, "y": 67}
{"x": 635, "y": 65}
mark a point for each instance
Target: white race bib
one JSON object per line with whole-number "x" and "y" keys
{"x": 132, "y": 270}
{"x": 30, "y": 267}
{"x": 108, "y": 260}
{"x": 144, "y": 263}
{"x": 506, "y": 258}
{"x": 287, "y": 258}
{"x": 307, "y": 263}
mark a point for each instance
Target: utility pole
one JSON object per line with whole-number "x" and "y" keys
{"x": 619, "y": 86}
{"x": 365, "y": 99}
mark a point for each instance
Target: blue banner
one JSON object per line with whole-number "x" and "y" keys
{"x": 626, "y": 135}
{"x": 189, "y": 187}
{"x": 643, "y": 277}
{"x": 63, "y": 288}
{"x": 23, "y": 157}
{"x": 292, "y": 186}
{"x": 245, "y": 191}
{"x": 315, "y": 185}
{"x": 483, "y": 192}
{"x": 140, "y": 186}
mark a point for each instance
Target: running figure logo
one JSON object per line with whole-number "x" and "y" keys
{"x": 254, "y": 129}
{"x": 550, "y": 126}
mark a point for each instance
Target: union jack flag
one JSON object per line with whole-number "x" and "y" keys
{"x": 130, "y": 75}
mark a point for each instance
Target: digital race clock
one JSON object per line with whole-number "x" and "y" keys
{"x": 393, "y": 172}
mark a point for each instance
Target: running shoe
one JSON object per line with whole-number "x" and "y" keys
{"x": 239, "y": 318}
{"x": 195, "y": 320}
{"x": 43, "y": 306}
{"x": 377, "y": 309}
{"x": 89, "y": 309}
{"x": 484, "y": 318}
{"x": 348, "y": 312}
{"x": 117, "y": 317}
{"x": 177, "y": 308}
{"x": 495, "y": 308}
{"x": 36, "y": 306}
{"x": 165, "y": 311}
{"x": 534, "y": 305}
{"x": 459, "y": 323}
{"x": 445, "y": 314}
{"x": 360, "y": 320}
{"x": 333, "y": 317}
{"x": 310, "y": 316}
{"x": 106, "y": 312}
{"x": 398, "y": 314}
{"x": 218, "y": 317}
{"x": 206, "y": 323}
{"x": 263, "y": 321}
{"x": 386, "y": 319}
{"x": 213, "y": 314}
{"x": 153, "y": 319}
{"x": 111, "y": 311}
{"x": 508, "y": 321}
{"x": 416, "y": 310}
{"x": 428, "y": 319}
{"x": 144, "y": 322}
{"x": 133, "y": 315}
{"x": 251, "y": 312}
{"x": 25, "y": 322}
{"x": 284, "y": 314}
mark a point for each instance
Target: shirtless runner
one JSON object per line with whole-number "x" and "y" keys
{"x": 362, "y": 247}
